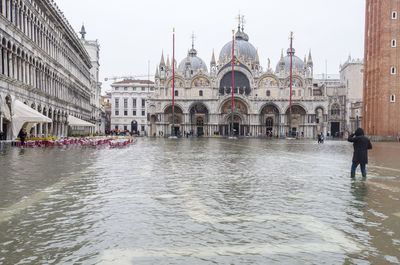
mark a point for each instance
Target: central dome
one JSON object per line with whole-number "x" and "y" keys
{"x": 243, "y": 48}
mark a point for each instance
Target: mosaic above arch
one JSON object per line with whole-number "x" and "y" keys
{"x": 268, "y": 82}
{"x": 178, "y": 83}
{"x": 238, "y": 106}
{"x": 200, "y": 82}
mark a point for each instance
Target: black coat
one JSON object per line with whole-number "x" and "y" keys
{"x": 361, "y": 145}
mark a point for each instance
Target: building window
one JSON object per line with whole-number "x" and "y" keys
{"x": 335, "y": 111}
{"x": 142, "y": 127}
{"x": 125, "y": 128}
{"x": 117, "y": 102}
{"x": 125, "y": 89}
{"x": 116, "y": 89}
{"x": 393, "y": 98}
{"x": 143, "y": 89}
{"x": 116, "y": 127}
{"x": 200, "y": 93}
{"x": 143, "y": 113}
{"x": 151, "y": 88}
{"x": 394, "y": 14}
{"x": 125, "y": 113}
{"x": 393, "y": 43}
{"x": 125, "y": 103}
{"x": 176, "y": 93}
{"x": 393, "y": 70}
{"x": 116, "y": 112}
{"x": 134, "y": 102}
{"x": 143, "y": 102}
{"x": 268, "y": 93}
{"x": 134, "y": 113}
{"x": 134, "y": 88}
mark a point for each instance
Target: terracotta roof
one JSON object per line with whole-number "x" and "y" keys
{"x": 129, "y": 81}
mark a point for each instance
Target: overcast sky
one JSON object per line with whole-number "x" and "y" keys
{"x": 132, "y": 33}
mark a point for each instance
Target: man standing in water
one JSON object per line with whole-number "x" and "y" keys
{"x": 22, "y": 136}
{"x": 360, "y": 156}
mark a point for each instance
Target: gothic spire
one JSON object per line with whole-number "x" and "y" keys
{"x": 213, "y": 58}
{"x": 162, "y": 62}
{"x": 309, "y": 57}
{"x": 83, "y": 32}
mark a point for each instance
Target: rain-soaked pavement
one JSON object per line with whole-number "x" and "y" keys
{"x": 200, "y": 201}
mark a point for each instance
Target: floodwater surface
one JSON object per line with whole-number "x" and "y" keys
{"x": 200, "y": 201}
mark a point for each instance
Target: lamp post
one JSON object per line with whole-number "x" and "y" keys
{"x": 173, "y": 83}
{"x": 233, "y": 78}
{"x": 291, "y": 79}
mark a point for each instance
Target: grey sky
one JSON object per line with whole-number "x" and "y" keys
{"x": 131, "y": 33}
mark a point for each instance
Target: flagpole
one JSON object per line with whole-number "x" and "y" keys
{"x": 233, "y": 79}
{"x": 173, "y": 83}
{"x": 291, "y": 83}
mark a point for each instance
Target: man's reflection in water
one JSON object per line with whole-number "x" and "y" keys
{"x": 359, "y": 190}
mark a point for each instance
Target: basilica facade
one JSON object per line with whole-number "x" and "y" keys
{"x": 261, "y": 96}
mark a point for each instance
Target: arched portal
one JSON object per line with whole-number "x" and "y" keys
{"x": 297, "y": 120}
{"x": 176, "y": 122}
{"x": 269, "y": 117}
{"x": 241, "y": 83}
{"x": 240, "y": 111}
{"x": 198, "y": 118}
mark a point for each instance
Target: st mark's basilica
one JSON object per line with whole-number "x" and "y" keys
{"x": 261, "y": 96}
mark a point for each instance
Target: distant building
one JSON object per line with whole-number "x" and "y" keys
{"x": 381, "y": 109}
{"x": 106, "y": 103}
{"x": 129, "y": 106}
{"x": 344, "y": 94}
{"x": 351, "y": 77}
{"x": 93, "y": 49}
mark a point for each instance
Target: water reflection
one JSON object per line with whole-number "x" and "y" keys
{"x": 198, "y": 201}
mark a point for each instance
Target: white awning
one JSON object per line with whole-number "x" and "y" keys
{"x": 74, "y": 121}
{"x": 23, "y": 115}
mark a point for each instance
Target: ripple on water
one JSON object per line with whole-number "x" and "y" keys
{"x": 201, "y": 201}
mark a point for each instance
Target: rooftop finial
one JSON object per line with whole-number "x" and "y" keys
{"x": 83, "y": 31}
{"x": 193, "y": 38}
{"x": 239, "y": 18}
{"x": 243, "y": 22}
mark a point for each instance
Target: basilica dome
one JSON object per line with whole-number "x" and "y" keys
{"x": 243, "y": 48}
{"x": 196, "y": 63}
{"x": 297, "y": 63}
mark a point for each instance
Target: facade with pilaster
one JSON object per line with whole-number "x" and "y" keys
{"x": 44, "y": 64}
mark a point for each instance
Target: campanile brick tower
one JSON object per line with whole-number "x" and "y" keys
{"x": 381, "y": 110}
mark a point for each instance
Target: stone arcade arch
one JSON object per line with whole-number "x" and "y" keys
{"x": 240, "y": 119}
{"x": 298, "y": 120}
{"x": 199, "y": 119}
{"x": 178, "y": 120}
{"x": 241, "y": 84}
{"x": 269, "y": 118}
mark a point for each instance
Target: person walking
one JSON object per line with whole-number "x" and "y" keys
{"x": 361, "y": 145}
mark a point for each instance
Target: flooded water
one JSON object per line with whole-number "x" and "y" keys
{"x": 200, "y": 201}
